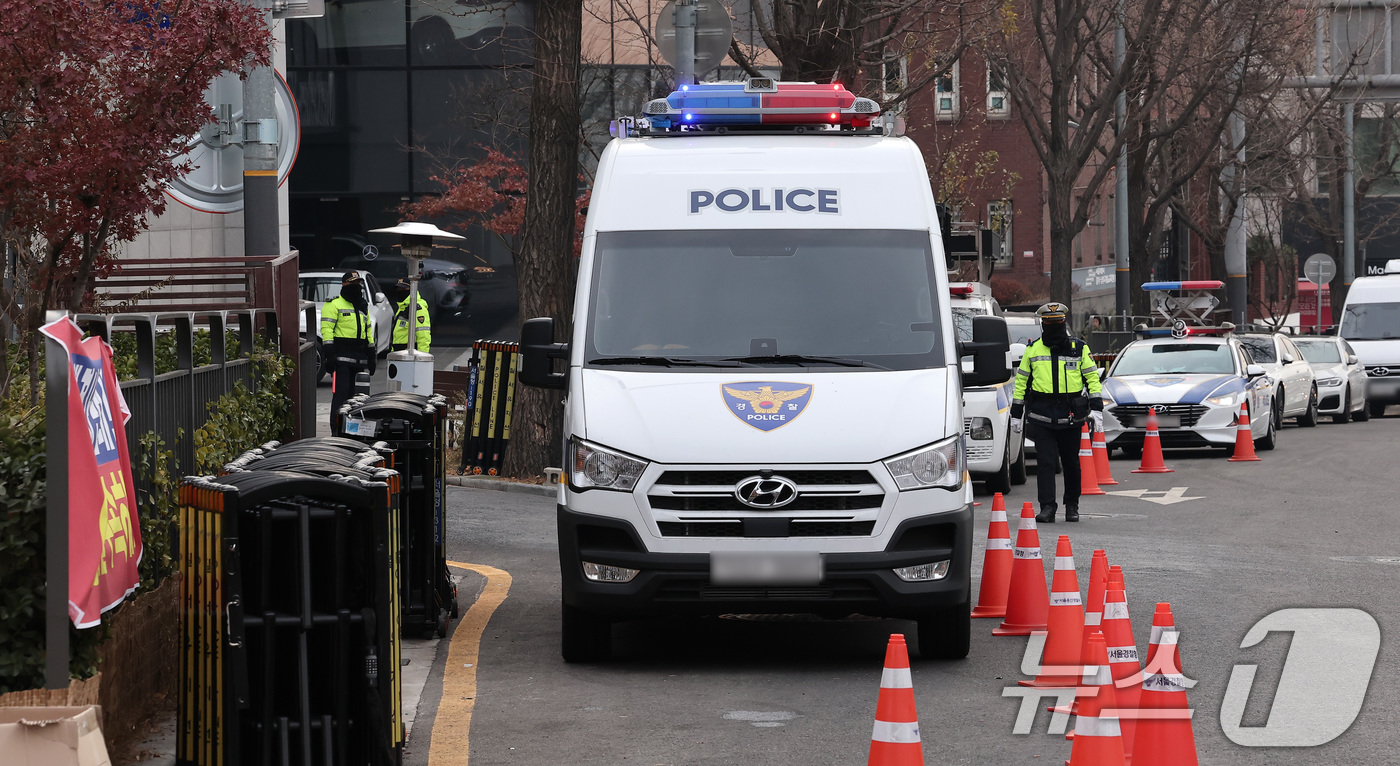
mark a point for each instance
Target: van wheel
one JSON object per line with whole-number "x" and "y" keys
{"x": 946, "y": 634}
{"x": 1309, "y": 417}
{"x": 1018, "y": 468}
{"x": 1001, "y": 480}
{"x": 1377, "y": 409}
{"x": 585, "y": 637}
{"x": 1345, "y": 414}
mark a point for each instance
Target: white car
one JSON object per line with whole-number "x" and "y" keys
{"x": 1295, "y": 389}
{"x": 321, "y": 286}
{"x": 1341, "y": 378}
{"x": 995, "y": 453}
{"x": 1195, "y": 385}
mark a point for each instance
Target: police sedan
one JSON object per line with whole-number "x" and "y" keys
{"x": 1195, "y": 385}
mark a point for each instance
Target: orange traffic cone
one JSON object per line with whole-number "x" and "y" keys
{"x": 1061, "y": 663}
{"x": 895, "y": 741}
{"x": 1101, "y": 468}
{"x": 1097, "y": 741}
{"x": 1244, "y": 438}
{"x": 1152, "y": 449}
{"x": 1093, "y": 611}
{"x": 1163, "y": 735}
{"x": 1122, "y": 654}
{"x": 996, "y": 564}
{"x": 1027, "y": 602}
{"x": 1088, "y": 476}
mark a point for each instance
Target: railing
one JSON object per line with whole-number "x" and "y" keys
{"x": 175, "y": 403}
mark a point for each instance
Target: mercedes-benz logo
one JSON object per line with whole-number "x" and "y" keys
{"x": 1380, "y": 372}
{"x": 765, "y": 493}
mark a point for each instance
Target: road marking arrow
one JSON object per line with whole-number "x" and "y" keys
{"x": 1168, "y": 497}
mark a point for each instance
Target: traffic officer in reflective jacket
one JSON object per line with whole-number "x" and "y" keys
{"x": 1057, "y": 391}
{"x": 347, "y": 338}
{"x": 424, "y": 331}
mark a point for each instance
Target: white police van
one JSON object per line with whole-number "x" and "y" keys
{"x": 995, "y": 453}
{"x": 763, "y": 384}
{"x": 1371, "y": 324}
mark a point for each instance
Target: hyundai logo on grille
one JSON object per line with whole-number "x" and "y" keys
{"x": 1380, "y": 372}
{"x": 1160, "y": 409}
{"x": 765, "y": 493}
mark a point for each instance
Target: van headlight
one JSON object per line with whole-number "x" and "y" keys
{"x": 595, "y": 467}
{"x": 937, "y": 465}
{"x": 980, "y": 429}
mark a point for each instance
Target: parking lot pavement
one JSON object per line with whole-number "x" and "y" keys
{"x": 1311, "y": 526}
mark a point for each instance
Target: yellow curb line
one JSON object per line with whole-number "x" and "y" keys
{"x": 453, "y": 722}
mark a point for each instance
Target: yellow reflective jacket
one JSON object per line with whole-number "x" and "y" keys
{"x": 424, "y": 329}
{"x": 1049, "y": 374}
{"x": 340, "y": 321}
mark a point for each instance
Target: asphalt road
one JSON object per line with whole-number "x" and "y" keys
{"x": 1313, "y": 525}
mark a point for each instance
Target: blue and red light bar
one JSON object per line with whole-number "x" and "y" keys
{"x": 761, "y": 103}
{"x": 1197, "y": 284}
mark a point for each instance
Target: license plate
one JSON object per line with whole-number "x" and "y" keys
{"x": 1163, "y": 421}
{"x": 769, "y": 568}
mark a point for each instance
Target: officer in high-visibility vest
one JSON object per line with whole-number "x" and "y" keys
{"x": 424, "y": 335}
{"x": 1057, "y": 391}
{"x": 347, "y": 338}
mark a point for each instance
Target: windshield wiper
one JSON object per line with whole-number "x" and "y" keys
{"x": 804, "y": 359}
{"x": 662, "y": 361}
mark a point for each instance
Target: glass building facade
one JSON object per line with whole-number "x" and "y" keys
{"x": 389, "y": 93}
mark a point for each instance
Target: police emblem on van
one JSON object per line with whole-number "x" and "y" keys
{"x": 766, "y": 406}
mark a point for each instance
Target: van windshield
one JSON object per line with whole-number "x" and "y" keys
{"x": 765, "y": 297}
{"x": 1371, "y": 321}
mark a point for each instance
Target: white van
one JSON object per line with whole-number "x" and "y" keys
{"x": 764, "y": 392}
{"x": 1371, "y": 324}
{"x": 995, "y": 453}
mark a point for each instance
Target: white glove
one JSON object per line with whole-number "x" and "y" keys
{"x": 1016, "y": 425}
{"x": 1097, "y": 417}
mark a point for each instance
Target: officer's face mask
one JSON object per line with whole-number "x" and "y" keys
{"x": 354, "y": 293}
{"x": 1054, "y": 333}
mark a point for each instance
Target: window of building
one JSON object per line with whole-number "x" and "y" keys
{"x": 894, "y": 76}
{"x": 999, "y": 220}
{"x": 945, "y": 96}
{"x": 998, "y": 100}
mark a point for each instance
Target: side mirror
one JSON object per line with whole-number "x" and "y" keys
{"x": 1351, "y": 359}
{"x": 381, "y": 298}
{"x": 990, "y": 344}
{"x": 1254, "y": 371}
{"x": 538, "y": 352}
{"x": 1287, "y": 358}
{"x": 1018, "y": 350}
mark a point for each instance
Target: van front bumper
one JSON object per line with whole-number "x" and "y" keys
{"x": 679, "y": 583}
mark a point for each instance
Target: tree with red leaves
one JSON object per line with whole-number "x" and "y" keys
{"x": 490, "y": 193}
{"x": 97, "y": 100}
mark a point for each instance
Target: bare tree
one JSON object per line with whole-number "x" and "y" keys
{"x": 1059, "y": 65}
{"x": 860, "y": 43}
{"x": 1240, "y": 52}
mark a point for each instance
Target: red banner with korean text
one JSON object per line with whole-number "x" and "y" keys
{"x": 104, "y": 535}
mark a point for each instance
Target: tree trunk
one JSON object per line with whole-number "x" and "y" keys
{"x": 545, "y": 266}
{"x": 1061, "y": 243}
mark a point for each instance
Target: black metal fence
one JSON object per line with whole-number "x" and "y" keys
{"x": 175, "y": 403}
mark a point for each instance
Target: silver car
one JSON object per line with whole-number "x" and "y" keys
{"x": 1341, "y": 378}
{"x": 1295, "y": 390}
